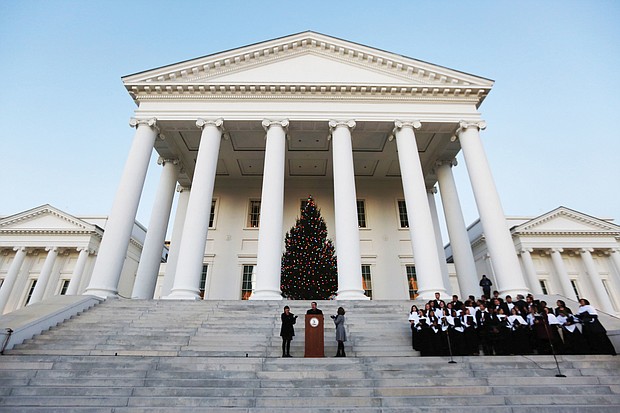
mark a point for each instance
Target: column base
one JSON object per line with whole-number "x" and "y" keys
{"x": 266, "y": 295}
{"x": 351, "y": 295}
{"x": 513, "y": 293}
{"x": 101, "y": 292}
{"x": 430, "y": 294}
{"x": 182, "y": 295}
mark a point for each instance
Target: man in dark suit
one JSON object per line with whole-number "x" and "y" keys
{"x": 456, "y": 303}
{"x": 314, "y": 310}
{"x": 437, "y": 299}
{"x": 521, "y": 305}
{"x": 507, "y": 305}
{"x": 483, "y": 321}
{"x": 486, "y": 284}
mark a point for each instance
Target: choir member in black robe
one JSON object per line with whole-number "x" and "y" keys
{"x": 593, "y": 331}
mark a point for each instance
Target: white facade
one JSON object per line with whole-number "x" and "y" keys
{"x": 563, "y": 252}
{"x": 46, "y": 252}
{"x": 270, "y": 123}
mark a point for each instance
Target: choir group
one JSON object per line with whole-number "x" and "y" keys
{"x": 499, "y": 326}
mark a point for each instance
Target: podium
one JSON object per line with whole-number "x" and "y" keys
{"x": 315, "y": 345}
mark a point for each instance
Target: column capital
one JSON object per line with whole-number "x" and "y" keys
{"x": 52, "y": 249}
{"x": 22, "y": 249}
{"x": 163, "y": 161}
{"x": 267, "y": 123}
{"x": 432, "y": 190}
{"x": 151, "y": 122}
{"x": 556, "y": 249}
{"x": 449, "y": 162}
{"x": 614, "y": 250}
{"x": 399, "y": 124}
{"x": 463, "y": 125}
{"x": 218, "y": 123}
{"x": 181, "y": 188}
{"x": 414, "y": 124}
{"x": 526, "y": 250}
{"x": 333, "y": 124}
{"x": 586, "y": 250}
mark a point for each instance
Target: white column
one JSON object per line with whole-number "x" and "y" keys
{"x": 441, "y": 253}
{"x": 44, "y": 276}
{"x": 186, "y": 284}
{"x": 615, "y": 257}
{"x": 150, "y": 259}
{"x": 596, "y": 281}
{"x": 11, "y": 277}
{"x": 269, "y": 259}
{"x": 530, "y": 271}
{"x": 345, "y": 205}
{"x": 117, "y": 233}
{"x": 78, "y": 271}
{"x": 175, "y": 240}
{"x": 457, "y": 230}
{"x": 562, "y": 274}
{"x": 499, "y": 242}
{"x": 421, "y": 229}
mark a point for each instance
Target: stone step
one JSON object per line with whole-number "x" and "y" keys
{"x": 191, "y": 356}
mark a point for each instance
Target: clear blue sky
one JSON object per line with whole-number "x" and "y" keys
{"x": 553, "y": 131}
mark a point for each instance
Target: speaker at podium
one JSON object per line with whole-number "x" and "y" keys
{"x": 315, "y": 344}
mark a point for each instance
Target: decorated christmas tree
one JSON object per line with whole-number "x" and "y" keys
{"x": 309, "y": 265}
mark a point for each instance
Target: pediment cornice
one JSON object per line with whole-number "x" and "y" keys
{"x": 585, "y": 225}
{"x": 25, "y": 223}
{"x": 401, "y": 77}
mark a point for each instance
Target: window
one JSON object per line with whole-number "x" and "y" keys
{"x": 247, "y": 282}
{"x": 543, "y": 287}
{"x": 64, "y": 286}
{"x": 212, "y": 214}
{"x": 412, "y": 280}
{"x": 203, "y": 280}
{"x": 254, "y": 214}
{"x": 402, "y": 214}
{"x": 606, "y": 286}
{"x": 367, "y": 281}
{"x": 575, "y": 289}
{"x": 361, "y": 213}
{"x": 33, "y": 284}
{"x": 303, "y": 204}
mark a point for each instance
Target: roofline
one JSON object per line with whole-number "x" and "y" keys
{"x": 300, "y": 33}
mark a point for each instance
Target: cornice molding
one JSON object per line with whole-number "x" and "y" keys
{"x": 602, "y": 227}
{"x": 204, "y": 77}
{"x": 265, "y": 52}
{"x": 141, "y": 92}
{"x": 40, "y": 212}
{"x": 93, "y": 232}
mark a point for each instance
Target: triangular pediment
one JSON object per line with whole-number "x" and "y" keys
{"x": 566, "y": 221}
{"x": 45, "y": 218}
{"x": 305, "y": 59}
{"x": 308, "y": 67}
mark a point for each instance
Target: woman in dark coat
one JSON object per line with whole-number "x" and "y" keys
{"x": 287, "y": 331}
{"x": 341, "y": 335}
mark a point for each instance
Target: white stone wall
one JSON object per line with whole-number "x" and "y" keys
{"x": 232, "y": 244}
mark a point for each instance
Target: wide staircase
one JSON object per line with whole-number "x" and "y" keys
{"x": 182, "y": 356}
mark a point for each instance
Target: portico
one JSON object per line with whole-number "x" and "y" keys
{"x": 250, "y": 132}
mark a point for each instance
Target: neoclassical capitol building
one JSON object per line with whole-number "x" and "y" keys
{"x": 246, "y": 135}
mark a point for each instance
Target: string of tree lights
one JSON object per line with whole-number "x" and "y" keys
{"x": 309, "y": 269}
